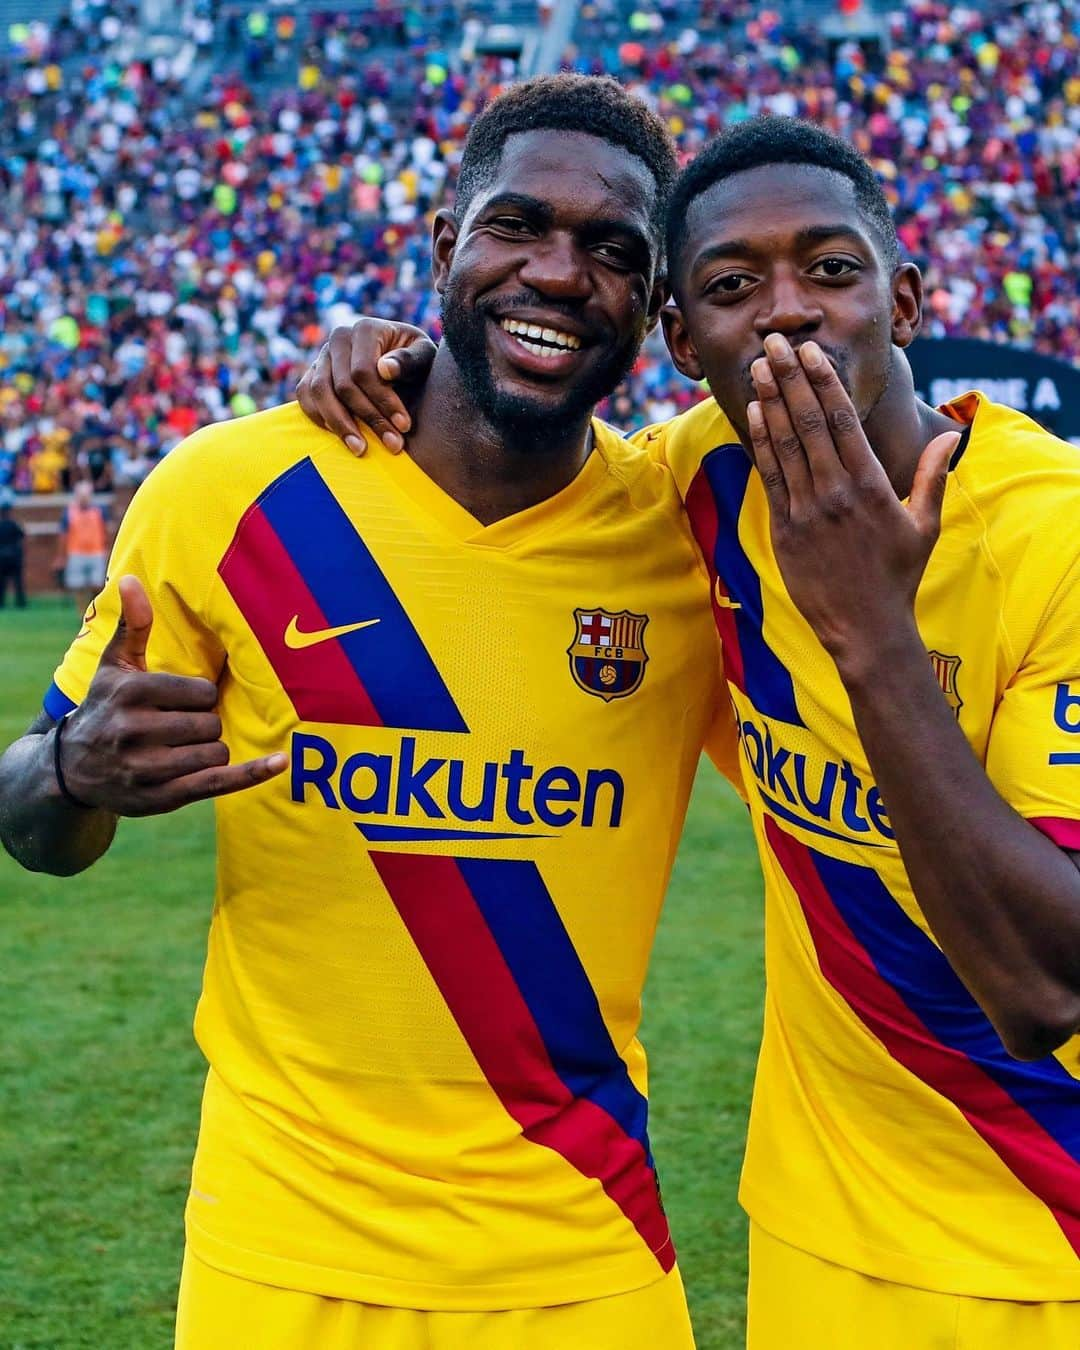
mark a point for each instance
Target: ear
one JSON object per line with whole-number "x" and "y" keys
{"x": 679, "y": 342}
{"x": 907, "y": 304}
{"x": 444, "y": 237}
{"x": 657, "y": 296}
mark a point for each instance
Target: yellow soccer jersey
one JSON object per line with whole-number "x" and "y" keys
{"x": 430, "y": 935}
{"x": 890, "y": 1130}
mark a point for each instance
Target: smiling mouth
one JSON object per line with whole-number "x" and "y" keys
{"x": 544, "y": 342}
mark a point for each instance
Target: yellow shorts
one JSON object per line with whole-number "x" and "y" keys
{"x": 222, "y": 1312}
{"x": 796, "y": 1299}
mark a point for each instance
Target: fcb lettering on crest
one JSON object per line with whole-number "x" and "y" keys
{"x": 945, "y": 668}
{"x": 607, "y": 655}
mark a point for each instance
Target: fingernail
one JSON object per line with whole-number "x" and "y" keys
{"x": 761, "y": 370}
{"x": 811, "y": 355}
{"x": 387, "y": 368}
{"x": 393, "y": 441}
{"x": 275, "y": 763}
{"x": 776, "y": 344}
{"x": 355, "y": 444}
{"x": 402, "y": 421}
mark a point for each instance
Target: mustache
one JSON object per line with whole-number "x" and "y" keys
{"x": 838, "y": 359}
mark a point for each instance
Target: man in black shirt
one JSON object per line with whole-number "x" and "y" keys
{"x": 11, "y": 556}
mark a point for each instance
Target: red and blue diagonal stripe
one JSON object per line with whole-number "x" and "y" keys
{"x": 714, "y": 503}
{"x": 296, "y": 553}
{"x": 496, "y": 947}
{"x": 902, "y": 987}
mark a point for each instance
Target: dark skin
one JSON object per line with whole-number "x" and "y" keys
{"x": 141, "y": 743}
{"x": 566, "y": 221}
{"x": 795, "y": 328}
{"x": 788, "y": 305}
{"x": 561, "y": 238}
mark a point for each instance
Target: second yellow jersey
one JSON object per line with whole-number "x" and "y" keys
{"x": 891, "y": 1132}
{"x": 429, "y": 937}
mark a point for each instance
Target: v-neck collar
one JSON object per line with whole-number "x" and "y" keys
{"x": 500, "y": 534}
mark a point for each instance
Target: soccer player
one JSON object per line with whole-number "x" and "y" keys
{"x": 909, "y": 712}
{"x": 492, "y": 666}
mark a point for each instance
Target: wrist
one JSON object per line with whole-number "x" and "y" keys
{"x": 869, "y": 661}
{"x": 62, "y": 786}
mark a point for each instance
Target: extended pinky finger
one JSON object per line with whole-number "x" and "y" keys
{"x": 221, "y": 780}
{"x": 766, "y": 462}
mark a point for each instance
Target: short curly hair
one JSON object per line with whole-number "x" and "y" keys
{"x": 780, "y": 140}
{"x": 594, "y": 104}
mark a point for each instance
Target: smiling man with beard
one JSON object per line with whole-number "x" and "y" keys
{"x": 898, "y": 594}
{"x": 491, "y": 667}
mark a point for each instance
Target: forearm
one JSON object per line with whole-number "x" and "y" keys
{"x": 39, "y": 828}
{"x": 1002, "y": 900}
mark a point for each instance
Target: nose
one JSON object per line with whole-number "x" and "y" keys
{"x": 555, "y": 266}
{"x": 787, "y": 306}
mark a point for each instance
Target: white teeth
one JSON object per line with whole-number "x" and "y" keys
{"x": 538, "y": 349}
{"x": 551, "y": 337}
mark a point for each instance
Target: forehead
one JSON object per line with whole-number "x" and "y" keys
{"x": 769, "y": 206}
{"x": 572, "y": 170}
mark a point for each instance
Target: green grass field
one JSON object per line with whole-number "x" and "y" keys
{"x": 100, "y": 1078}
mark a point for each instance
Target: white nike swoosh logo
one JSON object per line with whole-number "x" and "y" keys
{"x": 297, "y": 640}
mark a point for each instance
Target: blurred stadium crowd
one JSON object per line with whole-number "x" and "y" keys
{"x": 180, "y": 229}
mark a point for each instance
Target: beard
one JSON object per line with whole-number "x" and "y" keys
{"x": 526, "y": 422}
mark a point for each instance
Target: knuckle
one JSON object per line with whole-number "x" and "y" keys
{"x": 836, "y": 504}
{"x": 788, "y": 445}
{"x": 843, "y": 420}
{"x": 773, "y": 479}
{"x": 359, "y": 371}
{"x": 810, "y": 421}
{"x": 875, "y": 493}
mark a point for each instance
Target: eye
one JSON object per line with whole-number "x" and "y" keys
{"x": 729, "y": 283}
{"x": 613, "y": 252}
{"x": 833, "y": 266}
{"x": 509, "y": 224}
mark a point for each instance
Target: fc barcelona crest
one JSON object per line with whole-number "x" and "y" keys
{"x": 945, "y": 668}
{"x": 607, "y": 655}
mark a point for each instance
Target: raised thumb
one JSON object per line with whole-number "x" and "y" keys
{"x": 929, "y": 483}
{"x": 127, "y": 647}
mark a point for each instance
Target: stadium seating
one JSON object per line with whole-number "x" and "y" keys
{"x": 182, "y": 221}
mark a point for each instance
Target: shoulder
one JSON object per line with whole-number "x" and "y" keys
{"x": 634, "y": 470}
{"x": 1022, "y": 480}
{"x": 1023, "y": 485}
{"x": 684, "y": 442}
{"x": 224, "y": 467}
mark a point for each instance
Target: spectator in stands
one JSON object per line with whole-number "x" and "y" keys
{"x": 170, "y": 258}
{"x": 84, "y": 541}
{"x": 11, "y": 554}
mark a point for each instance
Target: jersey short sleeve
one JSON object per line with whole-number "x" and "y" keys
{"x": 1033, "y": 756}
{"x": 158, "y": 543}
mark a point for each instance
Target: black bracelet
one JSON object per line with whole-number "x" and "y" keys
{"x": 64, "y": 792}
